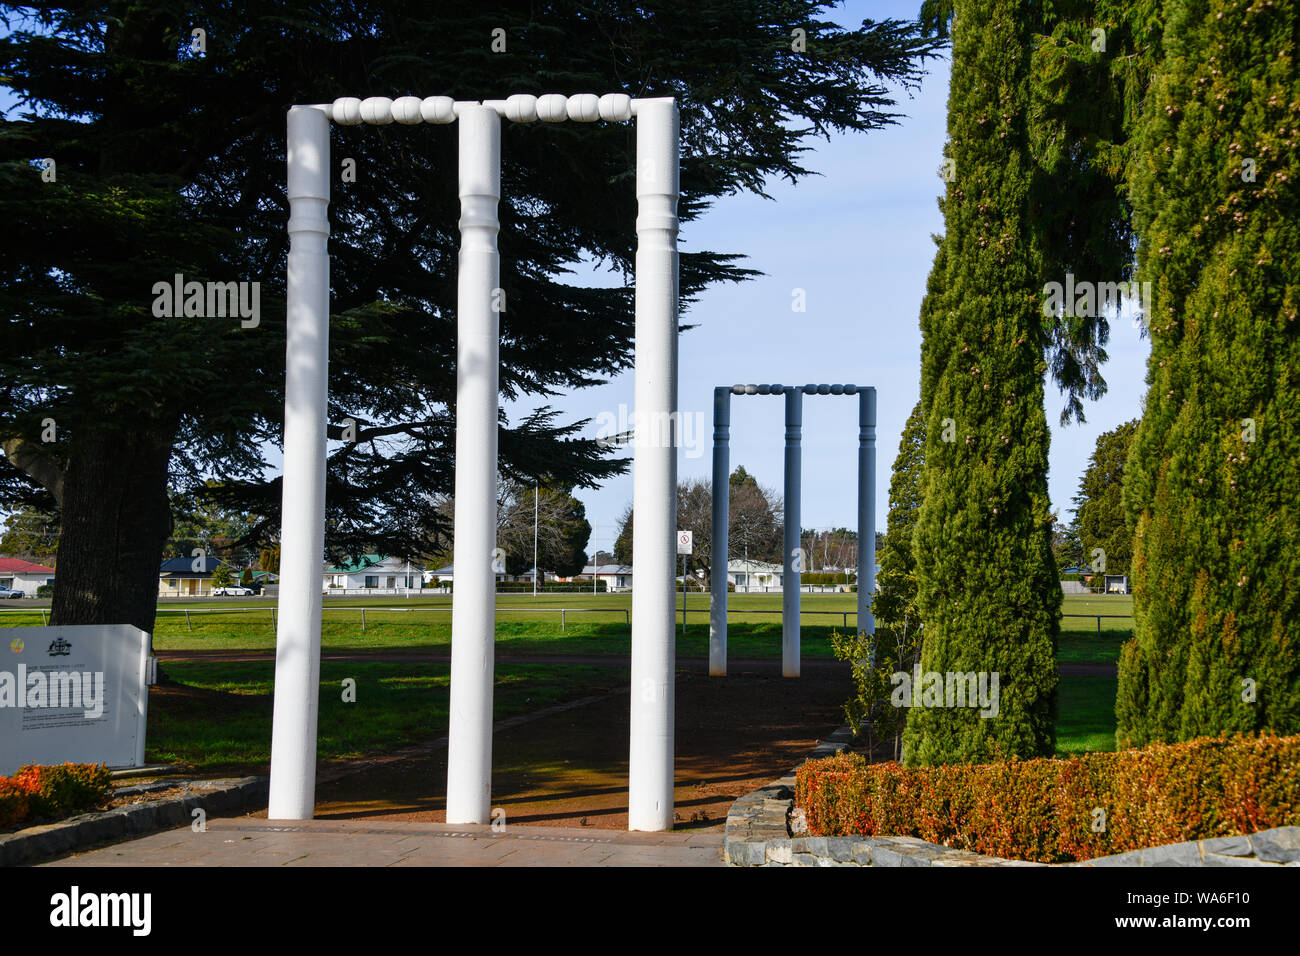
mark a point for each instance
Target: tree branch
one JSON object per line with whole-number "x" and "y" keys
{"x": 38, "y": 464}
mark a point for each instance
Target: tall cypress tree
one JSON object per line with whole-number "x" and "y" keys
{"x": 1212, "y": 482}
{"x": 987, "y": 583}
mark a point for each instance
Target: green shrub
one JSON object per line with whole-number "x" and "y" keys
{"x": 526, "y": 587}
{"x": 827, "y": 578}
{"x": 65, "y": 789}
{"x": 45, "y": 591}
{"x": 1050, "y": 811}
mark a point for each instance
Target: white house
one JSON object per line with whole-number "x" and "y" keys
{"x": 373, "y": 572}
{"x": 189, "y": 577}
{"x": 754, "y": 575}
{"x": 439, "y": 575}
{"x": 26, "y": 576}
{"x": 446, "y": 575}
{"x": 617, "y": 577}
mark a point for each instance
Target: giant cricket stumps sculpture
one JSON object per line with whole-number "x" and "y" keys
{"x": 790, "y": 603}
{"x": 297, "y": 662}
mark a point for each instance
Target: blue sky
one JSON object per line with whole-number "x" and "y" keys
{"x": 857, "y": 240}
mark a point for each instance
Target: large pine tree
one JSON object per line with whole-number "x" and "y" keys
{"x": 987, "y": 583}
{"x": 1212, "y": 486}
{"x": 170, "y": 159}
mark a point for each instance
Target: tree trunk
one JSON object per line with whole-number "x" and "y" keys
{"x": 116, "y": 517}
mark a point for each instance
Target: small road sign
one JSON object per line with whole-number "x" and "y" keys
{"x": 684, "y": 541}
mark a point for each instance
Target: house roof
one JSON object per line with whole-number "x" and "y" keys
{"x": 361, "y": 564}
{"x": 451, "y": 569}
{"x": 19, "y": 566}
{"x": 608, "y": 569}
{"x": 185, "y": 566}
{"x": 752, "y": 566}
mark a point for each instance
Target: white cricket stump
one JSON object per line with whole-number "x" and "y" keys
{"x": 297, "y": 674}
{"x": 473, "y": 610}
{"x": 654, "y": 470}
{"x": 302, "y": 522}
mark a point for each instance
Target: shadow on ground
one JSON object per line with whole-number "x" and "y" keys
{"x": 733, "y": 735}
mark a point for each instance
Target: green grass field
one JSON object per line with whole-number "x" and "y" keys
{"x": 1085, "y": 714}
{"x": 220, "y": 720}
{"x": 591, "y": 625}
{"x": 594, "y": 624}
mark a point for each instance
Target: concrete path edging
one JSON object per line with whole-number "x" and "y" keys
{"x": 34, "y": 844}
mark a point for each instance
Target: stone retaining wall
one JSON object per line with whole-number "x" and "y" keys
{"x": 764, "y": 829}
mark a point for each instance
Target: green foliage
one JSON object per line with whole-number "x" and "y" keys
{"x": 826, "y": 579}
{"x": 1091, "y": 61}
{"x": 1211, "y": 486}
{"x": 1067, "y": 548}
{"x": 623, "y": 544}
{"x": 894, "y": 607}
{"x": 32, "y": 536}
{"x": 1044, "y": 810}
{"x": 987, "y": 588}
{"x": 897, "y": 639}
{"x": 554, "y": 587}
{"x": 45, "y": 591}
{"x": 198, "y": 521}
{"x": 223, "y": 576}
{"x": 64, "y": 789}
{"x": 740, "y": 477}
{"x": 552, "y": 521}
{"x": 869, "y": 711}
{"x": 1099, "y": 520}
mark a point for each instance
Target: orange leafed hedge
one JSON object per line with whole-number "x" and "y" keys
{"x": 1057, "y": 810}
{"x": 52, "y": 792}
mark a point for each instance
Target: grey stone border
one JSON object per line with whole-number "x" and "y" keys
{"x": 759, "y": 833}
{"x": 35, "y": 844}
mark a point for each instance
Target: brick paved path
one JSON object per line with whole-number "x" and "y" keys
{"x": 247, "y": 841}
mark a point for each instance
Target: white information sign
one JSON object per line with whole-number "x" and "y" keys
{"x": 73, "y": 693}
{"x": 685, "y": 541}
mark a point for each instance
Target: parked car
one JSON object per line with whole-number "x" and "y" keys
{"x": 8, "y": 594}
{"x": 233, "y": 590}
